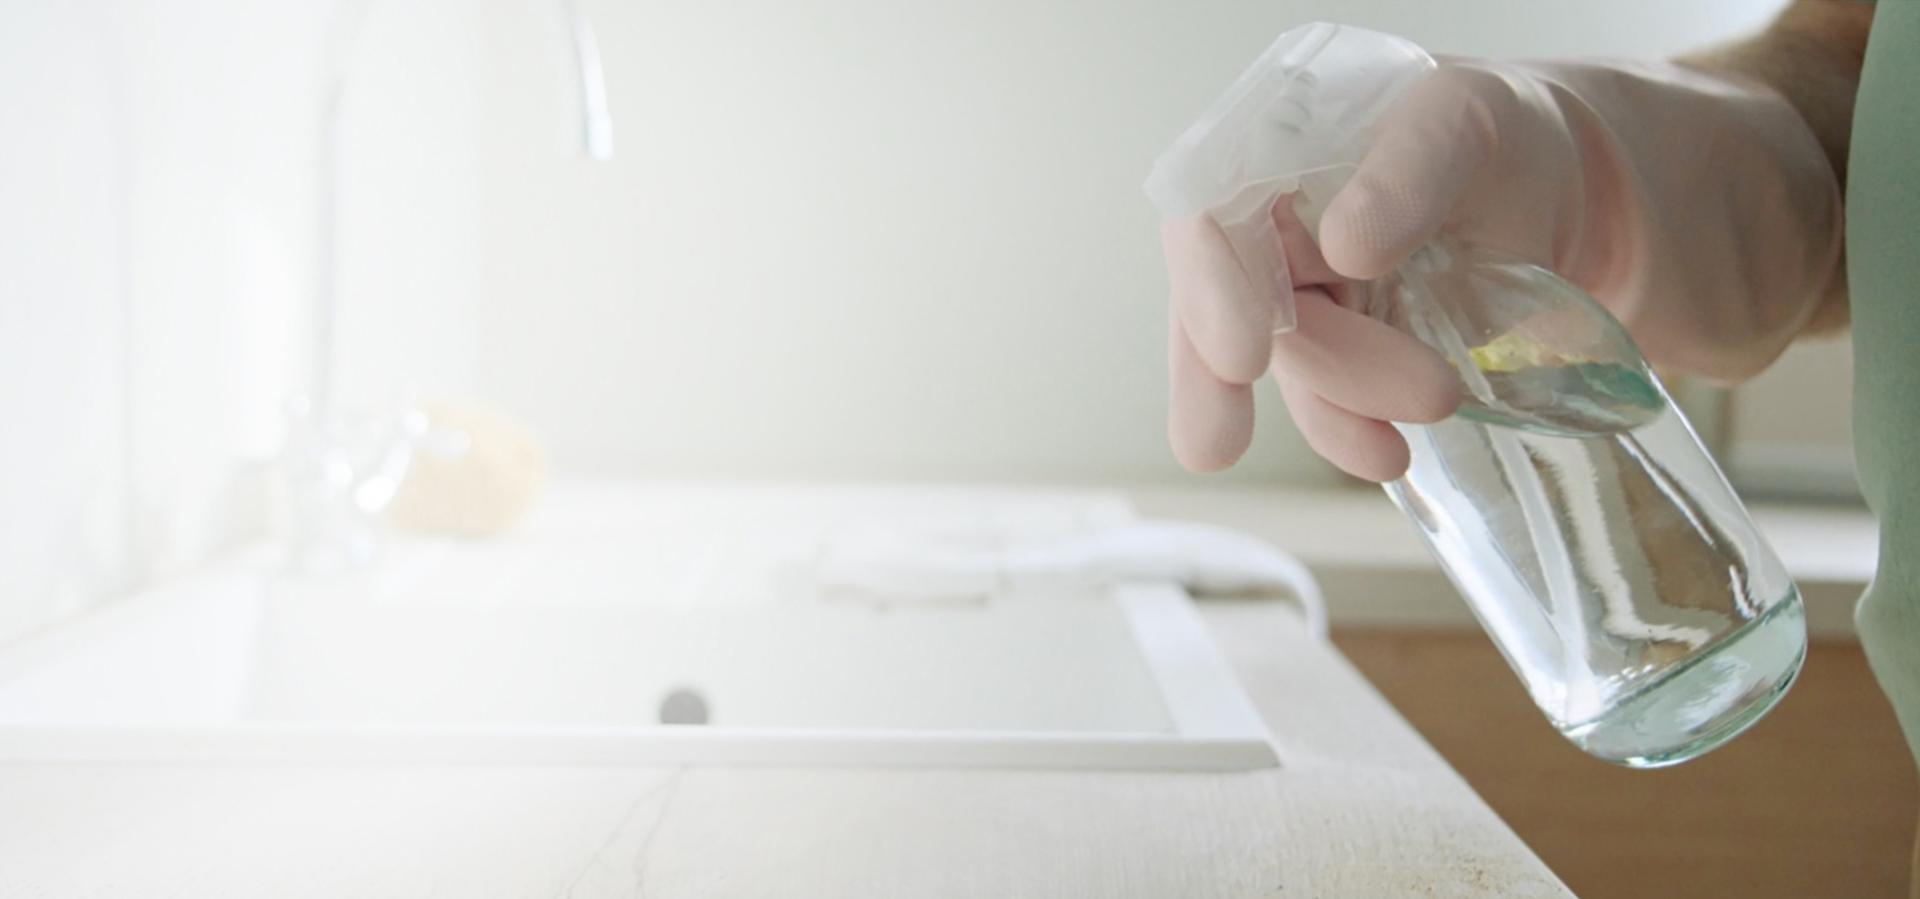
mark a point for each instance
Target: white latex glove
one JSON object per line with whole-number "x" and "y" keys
{"x": 1700, "y": 210}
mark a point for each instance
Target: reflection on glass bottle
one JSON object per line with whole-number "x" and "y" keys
{"x": 1580, "y": 515}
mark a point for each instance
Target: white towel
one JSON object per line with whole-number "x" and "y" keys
{"x": 969, "y": 563}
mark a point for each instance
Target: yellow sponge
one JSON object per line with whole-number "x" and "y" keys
{"x": 476, "y": 475}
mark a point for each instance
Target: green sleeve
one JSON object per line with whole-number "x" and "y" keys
{"x": 1883, "y": 259}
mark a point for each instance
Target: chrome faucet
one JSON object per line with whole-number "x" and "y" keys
{"x": 596, "y": 126}
{"x": 337, "y": 476}
{"x": 596, "y": 133}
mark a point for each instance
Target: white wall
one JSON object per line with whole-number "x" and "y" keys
{"x": 889, "y": 238}
{"x": 63, "y": 456}
{"x": 1793, "y": 426}
{"x": 841, "y": 237}
{"x": 221, "y": 120}
{"x": 154, "y": 162}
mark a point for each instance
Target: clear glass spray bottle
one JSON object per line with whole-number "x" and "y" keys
{"x": 1567, "y": 499}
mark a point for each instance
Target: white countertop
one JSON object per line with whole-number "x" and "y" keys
{"x": 1361, "y": 807}
{"x": 1375, "y": 571}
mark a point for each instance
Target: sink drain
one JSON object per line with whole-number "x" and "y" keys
{"x": 683, "y": 705}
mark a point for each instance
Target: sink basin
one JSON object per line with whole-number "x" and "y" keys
{"x": 600, "y": 636}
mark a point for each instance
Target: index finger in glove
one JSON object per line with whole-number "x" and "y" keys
{"x": 1430, "y": 145}
{"x": 1228, "y": 320}
{"x": 1364, "y": 366}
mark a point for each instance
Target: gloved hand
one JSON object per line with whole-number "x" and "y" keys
{"x": 1700, "y": 210}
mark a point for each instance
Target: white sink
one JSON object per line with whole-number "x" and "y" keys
{"x": 613, "y": 619}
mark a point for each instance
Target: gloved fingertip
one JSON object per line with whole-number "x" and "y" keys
{"x": 1206, "y": 460}
{"x": 1370, "y": 228}
{"x": 1227, "y": 320}
{"x": 1367, "y": 449}
{"x": 1384, "y": 458}
{"x": 1210, "y": 440}
{"x": 1434, "y": 396}
{"x": 1239, "y": 355}
{"x": 1363, "y": 447}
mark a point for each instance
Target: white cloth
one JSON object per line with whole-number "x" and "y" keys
{"x": 956, "y": 562}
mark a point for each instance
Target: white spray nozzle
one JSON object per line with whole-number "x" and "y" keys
{"x": 1307, "y": 105}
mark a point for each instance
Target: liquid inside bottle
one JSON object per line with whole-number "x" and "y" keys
{"x": 1597, "y": 542}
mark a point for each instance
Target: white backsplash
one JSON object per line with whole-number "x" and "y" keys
{"x": 839, "y": 238}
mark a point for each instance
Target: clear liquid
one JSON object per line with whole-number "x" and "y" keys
{"x": 1612, "y": 564}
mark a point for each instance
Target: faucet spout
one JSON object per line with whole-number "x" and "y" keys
{"x": 596, "y": 119}
{"x": 331, "y": 517}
